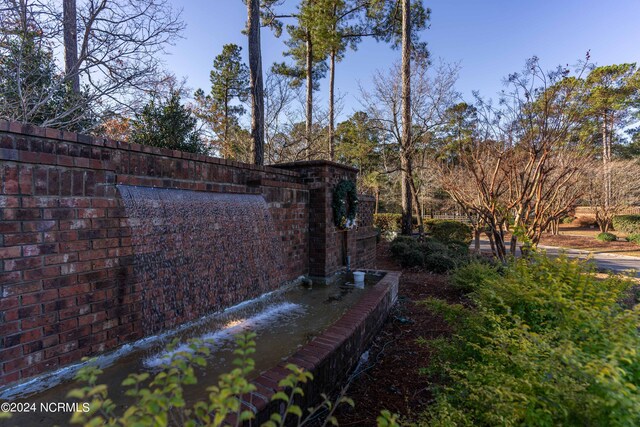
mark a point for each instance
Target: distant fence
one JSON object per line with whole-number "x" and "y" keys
{"x": 453, "y": 217}
{"x": 588, "y": 210}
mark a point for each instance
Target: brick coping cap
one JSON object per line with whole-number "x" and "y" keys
{"x": 28, "y": 129}
{"x": 312, "y": 163}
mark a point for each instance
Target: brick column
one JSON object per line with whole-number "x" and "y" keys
{"x": 326, "y": 242}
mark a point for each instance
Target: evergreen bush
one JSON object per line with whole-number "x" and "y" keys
{"x": 627, "y": 223}
{"x": 447, "y": 230}
{"x": 544, "y": 343}
{"x": 607, "y": 237}
{"x": 634, "y": 238}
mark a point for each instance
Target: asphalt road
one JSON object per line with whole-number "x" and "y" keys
{"x": 603, "y": 262}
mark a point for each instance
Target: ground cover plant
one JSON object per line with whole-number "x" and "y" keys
{"x": 539, "y": 342}
{"x": 607, "y": 237}
{"x": 634, "y": 238}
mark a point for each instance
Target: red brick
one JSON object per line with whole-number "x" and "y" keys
{"x": 9, "y": 328}
{"x": 39, "y": 368}
{"x": 74, "y": 312}
{"x": 22, "y": 337}
{"x": 41, "y": 273}
{"x": 60, "y": 349}
{"x": 60, "y": 326}
{"x": 22, "y": 264}
{"x": 10, "y": 252}
{"x": 60, "y": 281}
{"x": 91, "y": 318}
{"x": 11, "y": 353}
{"x": 72, "y": 290}
{"x": 10, "y": 180}
{"x": 9, "y": 227}
{"x": 37, "y": 297}
{"x": 37, "y": 321}
{"x": 22, "y": 239}
{"x": 60, "y": 258}
{"x": 34, "y": 250}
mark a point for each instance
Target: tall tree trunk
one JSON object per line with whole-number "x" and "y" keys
{"x": 332, "y": 75}
{"x": 416, "y": 202}
{"x": 375, "y": 209}
{"x": 606, "y": 159}
{"x": 405, "y": 190}
{"x": 225, "y": 142}
{"x": 70, "y": 30}
{"x": 255, "y": 73}
{"x": 405, "y": 149}
{"x": 309, "y": 69}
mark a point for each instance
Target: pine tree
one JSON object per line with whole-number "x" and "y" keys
{"x": 167, "y": 124}
{"x": 308, "y": 50}
{"x": 229, "y": 79}
{"x": 612, "y": 91}
{"x": 229, "y": 83}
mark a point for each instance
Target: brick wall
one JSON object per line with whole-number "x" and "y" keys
{"x": 66, "y": 255}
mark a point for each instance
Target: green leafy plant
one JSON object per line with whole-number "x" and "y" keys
{"x": 633, "y": 238}
{"x": 567, "y": 219}
{"x": 159, "y": 401}
{"x": 429, "y": 253}
{"x": 544, "y": 342}
{"x": 167, "y": 124}
{"x": 474, "y": 275}
{"x": 387, "y": 222}
{"x": 627, "y": 223}
{"x": 446, "y": 230}
{"x": 607, "y": 237}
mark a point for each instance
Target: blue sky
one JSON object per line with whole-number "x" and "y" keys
{"x": 488, "y": 38}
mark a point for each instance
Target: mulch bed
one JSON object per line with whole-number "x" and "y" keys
{"x": 392, "y": 379}
{"x": 590, "y": 243}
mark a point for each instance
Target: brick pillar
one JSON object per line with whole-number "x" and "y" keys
{"x": 326, "y": 241}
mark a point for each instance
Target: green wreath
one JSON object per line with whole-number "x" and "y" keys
{"x": 345, "y": 194}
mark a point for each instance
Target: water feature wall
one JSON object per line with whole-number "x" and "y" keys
{"x": 197, "y": 252}
{"x": 72, "y": 264}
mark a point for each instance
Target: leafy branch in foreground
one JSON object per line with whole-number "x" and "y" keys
{"x": 545, "y": 342}
{"x": 161, "y": 401}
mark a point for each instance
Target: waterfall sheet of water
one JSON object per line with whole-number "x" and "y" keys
{"x": 199, "y": 252}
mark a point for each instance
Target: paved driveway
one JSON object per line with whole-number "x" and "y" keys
{"x": 604, "y": 262}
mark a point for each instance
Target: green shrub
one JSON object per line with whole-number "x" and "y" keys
{"x": 439, "y": 262}
{"x": 633, "y": 238}
{"x": 412, "y": 258}
{"x": 607, "y": 237}
{"x": 629, "y": 224}
{"x": 567, "y": 220}
{"x": 458, "y": 250}
{"x": 431, "y": 246}
{"x": 547, "y": 343}
{"x": 429, "y": 253}
{"x": 473, "y": 275}
{"x": 448, "y": 230}
{"x": 387, "y": 222}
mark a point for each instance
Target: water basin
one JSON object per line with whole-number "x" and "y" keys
{"x": 284, "y": 321}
